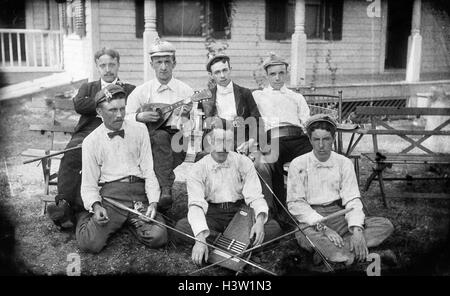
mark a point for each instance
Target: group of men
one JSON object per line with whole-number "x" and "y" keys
{"x": 123, "y": 159}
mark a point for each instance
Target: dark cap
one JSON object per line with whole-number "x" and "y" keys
{"x": 216, "y": 58}
{"x": 273, "y": 60}
{"x": 107, "y": 93}
{"x": 320, "y": 118}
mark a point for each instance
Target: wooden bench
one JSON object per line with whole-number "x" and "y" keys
{"x": 415, "y": 136}
{"x": 54, "y": 107}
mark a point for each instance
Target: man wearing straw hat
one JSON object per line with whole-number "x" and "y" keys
{"x": 164, "y": 88}
{"x": 284, "y": 113}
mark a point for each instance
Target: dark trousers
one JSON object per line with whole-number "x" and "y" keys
{"x": 93, "y": 237}
{"x": 273, "y": 174}
{"x": 376, "y": 230}
{"x": 69, "y": 173}
{"x": 165, "y": 160}
{"x": 217, "y": 220}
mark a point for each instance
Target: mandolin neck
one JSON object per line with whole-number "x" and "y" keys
{"x": 174, "y": 106}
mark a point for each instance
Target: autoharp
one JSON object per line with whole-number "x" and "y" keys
{"x": 235, "y": 239}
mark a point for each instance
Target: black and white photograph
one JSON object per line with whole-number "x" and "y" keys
{"x": 243, "y": 140}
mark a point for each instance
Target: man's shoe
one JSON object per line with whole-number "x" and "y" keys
{"x": 60, "y": 214}
{"x": 165, "y": 201}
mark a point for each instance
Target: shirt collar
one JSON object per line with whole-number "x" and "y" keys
{"x": 322, "y": 164}
{"x": 225, "y": 89}
{"x": 105, "y": 84}
{"x": 283, "y": 89}
{"x": 107, "y": 130}
{"x": 162, "y": 87}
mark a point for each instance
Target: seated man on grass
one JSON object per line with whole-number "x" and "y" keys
{"x": 323, "y": 182}
{"x": 118, "y": 164}
{"x": 219, "y": 184}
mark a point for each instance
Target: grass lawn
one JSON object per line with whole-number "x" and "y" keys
{"x": 36, "y": 246}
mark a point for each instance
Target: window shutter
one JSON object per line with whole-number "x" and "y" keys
{"x": 333, "y": 20}
{"x": 140, "y": 22}
{"x": 80, "y": 17}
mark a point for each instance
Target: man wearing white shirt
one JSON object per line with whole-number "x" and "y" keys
{"x": 323, "y": 182}
{"x": 162, "y": 89}
{"x": 231, "y": 104}
{"x": 218, "y": 185}
{"x": 68, "y": 200}
{"x": 284, "y": 113}
{"x": 117, "y": 156}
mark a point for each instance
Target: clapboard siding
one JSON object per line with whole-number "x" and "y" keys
{"x": 359, "y": 52}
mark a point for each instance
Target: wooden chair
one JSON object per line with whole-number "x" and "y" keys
{"x": 54, "y": 107}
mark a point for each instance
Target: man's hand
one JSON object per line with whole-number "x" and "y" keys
{"x": 148, "y": 116}
{"x": 334, "y": 237}
{"x": 246, "y": 147}
{"x": 100, "y": 214}
{"x": 358, "y": 244}
{"x": 183, "y": 110}
{"x": 200, "y": 250}
{"x": 257, "y": 230}
{"x": 151, "y": 210}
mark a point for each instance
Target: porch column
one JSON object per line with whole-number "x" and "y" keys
{"x": 149, "y": 36}
{"x": 298, "y": 46}
{"x": 414, "y": 45}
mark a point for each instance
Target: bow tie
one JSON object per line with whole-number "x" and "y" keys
{"x": 162, "y": 88}
{"x": 117, "y": 133}
{"x": 219, "y": 166}
{"x": 319, "y": 164}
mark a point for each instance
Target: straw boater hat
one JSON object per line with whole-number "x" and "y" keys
{"x": 162, "y": 48}
{"x": 273, "y": 60}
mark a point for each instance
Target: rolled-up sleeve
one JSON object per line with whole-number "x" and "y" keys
{"x": 196, "y": 199}
{"x": 351, "y": 196}
{"x": 152, "y": 189}
{"x": 252, "y": 190}
{"x": 91, "y": 173}
{"x": 296, "y": 196}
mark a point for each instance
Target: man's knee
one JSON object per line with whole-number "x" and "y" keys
{"x": 87, "y": 236}
{"x": 272, "y": 230}
{"x": 159, "y": 136}
{"x": 156, "y": 237}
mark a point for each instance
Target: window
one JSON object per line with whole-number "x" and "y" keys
{"x": 186, "y": 17}
{"x": 323, "y": 19}
{"x": 74, "y": 17}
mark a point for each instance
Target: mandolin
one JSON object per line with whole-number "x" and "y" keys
{"x": 165, "y": 110}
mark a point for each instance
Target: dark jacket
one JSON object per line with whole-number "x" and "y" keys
{"x": 245, "y": 106}
{"x": 85, "y": 105}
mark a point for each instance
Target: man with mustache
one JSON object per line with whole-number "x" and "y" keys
{"x": 68, "y": 200}
{"x": 117, "y": 156}
{"x": 164, "y": 88}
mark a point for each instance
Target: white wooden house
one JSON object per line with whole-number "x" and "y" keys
{"x": 355, "y": 39}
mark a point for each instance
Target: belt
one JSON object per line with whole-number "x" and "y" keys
{"x": 285, "y": 131}
{"x": 128, "y": 179}
{"x": 227, "y": 205}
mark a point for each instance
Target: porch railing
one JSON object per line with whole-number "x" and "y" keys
{"x": 30, "y": 50}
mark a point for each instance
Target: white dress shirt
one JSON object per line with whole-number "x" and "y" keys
{"x": 154, "y": 92}
{"x": 230, "y": 181}
{"x": 107, "y": 159}
{"x": 281, "y": 107}
{"x": 225, "y": 102}
{"x": 105, "y": 84}
{"x": 312, "y": 182}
